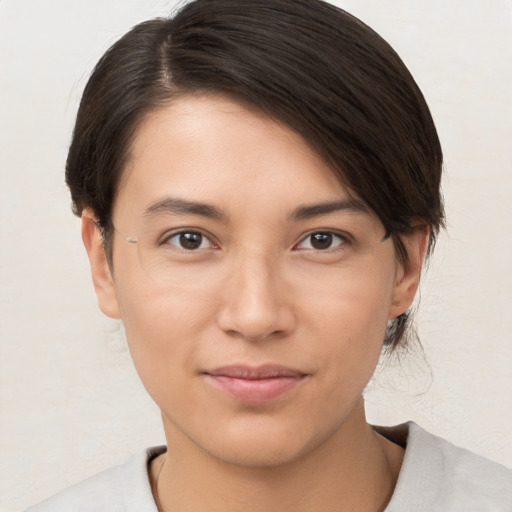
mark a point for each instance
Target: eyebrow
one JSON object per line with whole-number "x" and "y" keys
{"x": 315, "y": 210}
{"x": 178, "y": 206}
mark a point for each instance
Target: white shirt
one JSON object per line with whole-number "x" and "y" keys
{"x": 436, "y": 476}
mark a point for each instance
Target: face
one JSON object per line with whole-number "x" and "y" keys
{"x": 255, "y": 292}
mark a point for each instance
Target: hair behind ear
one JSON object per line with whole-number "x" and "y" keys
{"x": 411, "y": 252}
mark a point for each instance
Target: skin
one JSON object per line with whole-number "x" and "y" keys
{"x": 255, "y": 292}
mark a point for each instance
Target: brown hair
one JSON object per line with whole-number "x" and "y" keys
{"x": 311, "y": 65}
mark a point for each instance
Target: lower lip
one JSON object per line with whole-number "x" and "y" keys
{"x": 255, "y": 390}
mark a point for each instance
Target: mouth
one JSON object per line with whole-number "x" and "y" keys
{"x": 255, "y": 384}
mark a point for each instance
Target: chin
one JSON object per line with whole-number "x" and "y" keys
{"x": 263, "y": 444}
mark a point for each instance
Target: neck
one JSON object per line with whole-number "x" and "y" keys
{"x": 355, "y": 469}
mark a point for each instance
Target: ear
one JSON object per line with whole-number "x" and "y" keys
{"x": 408, "y": 276}
{"x": 100, "y": 269}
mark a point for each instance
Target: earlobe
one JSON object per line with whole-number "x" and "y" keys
{"x": 416, "y": 244}
{"x": 100, "y": 269}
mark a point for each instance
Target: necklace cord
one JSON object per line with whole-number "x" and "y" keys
{"x": 157, "y": 479}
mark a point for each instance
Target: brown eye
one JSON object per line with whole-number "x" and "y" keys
{"x": 321, "y": 241}
{"x": 189, "y": 241}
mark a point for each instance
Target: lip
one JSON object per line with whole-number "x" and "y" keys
{"x": 255, "y": 384}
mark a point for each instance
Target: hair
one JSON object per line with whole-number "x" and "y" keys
{"x": 306, "y": 63}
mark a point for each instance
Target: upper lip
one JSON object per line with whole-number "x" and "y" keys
{"x": 266, "y": 371}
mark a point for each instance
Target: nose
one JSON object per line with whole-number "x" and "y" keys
{"x": 256, "y": 304}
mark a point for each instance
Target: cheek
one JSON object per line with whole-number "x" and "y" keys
{"x": 354, "y": 301}
{"x": 164, "y": 328}
{"x": 349, "y": 317}
{"x": 155, "y": 312}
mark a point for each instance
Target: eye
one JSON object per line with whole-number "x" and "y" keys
{"x": 189, "y": 241}
{"x": 321, "y": 241}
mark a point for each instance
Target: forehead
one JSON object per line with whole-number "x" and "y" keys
{"x": 212, "y": 149}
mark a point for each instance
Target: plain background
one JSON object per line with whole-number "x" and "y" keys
{"x": 70, "y": 401}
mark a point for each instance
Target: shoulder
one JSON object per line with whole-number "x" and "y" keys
{"x": 439, "y": 476}
{"x": 123, "y": 488}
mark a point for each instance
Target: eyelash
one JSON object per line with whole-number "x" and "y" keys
{"x": 331, "y": 235}
{"x": 343, "y": 240}
{"x": 166, "y": 240}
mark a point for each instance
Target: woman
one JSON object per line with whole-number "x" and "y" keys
{"x": 259, "y": 185}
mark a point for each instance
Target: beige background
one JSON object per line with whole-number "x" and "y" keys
{"x": 70, "y": 401}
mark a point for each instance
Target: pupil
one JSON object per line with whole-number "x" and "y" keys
{"x": 321, "y": 240}
{"x": 191, "y": 240}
